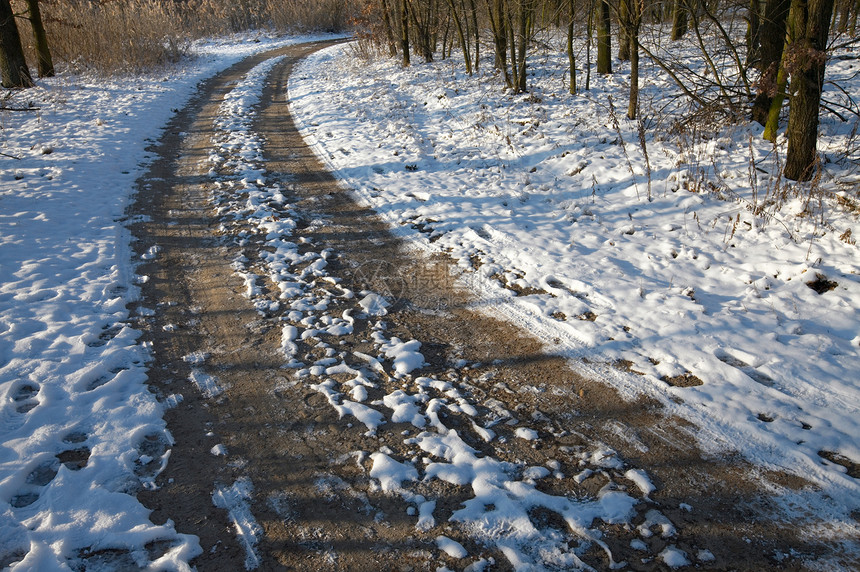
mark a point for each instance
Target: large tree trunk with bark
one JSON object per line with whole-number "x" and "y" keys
{"x": 771, "y": 43}
{"x": 43, "y": 52}
{"x": 13, "y": 66}
{"x": 810, "y": 22}
{"x": 604, "y": 38}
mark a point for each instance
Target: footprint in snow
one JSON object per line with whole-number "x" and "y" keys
{"x": 46, "y": 471}
{"x": 91, "y": 558}
{"x": 152, "y": 450}
{"x": 39, "y": 477}
{"x": 109, "y": 332}
{"x": 750, "y": 371}
{"x": 103, "y": 379}
{"x": 77, "y": 458}
{"x": 24, "y": 398}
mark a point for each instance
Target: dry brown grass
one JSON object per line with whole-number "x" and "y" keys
{"x": 126, "y": 36}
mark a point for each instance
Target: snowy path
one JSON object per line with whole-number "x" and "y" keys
{"x": 333, "y": 401}
{"x": 399, "y": 415}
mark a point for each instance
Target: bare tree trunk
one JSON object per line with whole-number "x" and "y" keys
{"x": 604, "y": 38}
{"x": 771, "y": 119}
{"x": 635, "y": 20}
{"x": 852, "y": 29}
{"x": 404, "y": 32}
{"x": 424, "y": 33}
{"x": 571, "y": 57}
{"x": 680, "y": 19}
{"x": 844, "y": 15}
{"x": 811, "y": 25}
{"x": 46, "y": 63}
{"x": 525, "y": 17}
{"x": 389, "y": 29}
{"x": 590, "y": 34}
{"x": 464, "y": 43}
{"x": 512, "y": 45}
{"x": 753, "y": 30}
{"x": 446, "y": 45}
{"x": 498, "y": 25}
{"x": 771, "y": 43}
{"x": 13, "y": 66}
{"x": 477, "y": 32}
{"x": 623, "y": 38}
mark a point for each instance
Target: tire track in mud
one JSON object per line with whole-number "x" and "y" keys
{"x": 307, "y": 489}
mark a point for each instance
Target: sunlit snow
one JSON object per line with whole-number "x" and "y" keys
{"x": 548, "y": 214}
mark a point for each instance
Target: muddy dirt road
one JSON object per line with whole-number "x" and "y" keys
{"x": 306, "y": 436}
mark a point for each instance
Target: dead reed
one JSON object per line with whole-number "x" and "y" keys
{"x": 128, "y": 36}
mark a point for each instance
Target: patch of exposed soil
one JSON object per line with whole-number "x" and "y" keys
{"x": 312, "y": 494}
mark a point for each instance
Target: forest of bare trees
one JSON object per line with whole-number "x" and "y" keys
{"x": 758, "y": 54}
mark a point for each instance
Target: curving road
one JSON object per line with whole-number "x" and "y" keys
{"x": 284, "y": 468}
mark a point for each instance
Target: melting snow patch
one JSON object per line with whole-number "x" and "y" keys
{"x": 656, "y": 518}
{"x": 674, "y": 557}
{"x": 371, "y": 418}
{"x": 425, "y": 516}
{"x": 405, "y": 355}
{"x": 527, "y": 434}
{"x": 288, "y": 345}
{"x": 151, "y": 253}
{"x": 390, "y": 473}
{"x": 173, "y": 400}
{"x": 207, "y": 384}
{"x": 404, "y": 408}
{"x": 195, "y": 358}
{"x": 451, "y": 547}
{"x": 374, "y": 305}
{"x": 235, "y": 500}
{"x": 641, "y": 480}
{"x": 535, "y": 473}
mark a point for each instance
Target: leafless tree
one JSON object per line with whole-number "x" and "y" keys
{"x": 13, "y": 66}
{"x": 805, "y": 59}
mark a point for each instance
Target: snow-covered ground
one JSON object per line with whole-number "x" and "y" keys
{"x": 539, "y": 195}
{"x": 681, "y": 268}
{"x": 79, "y": 431}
